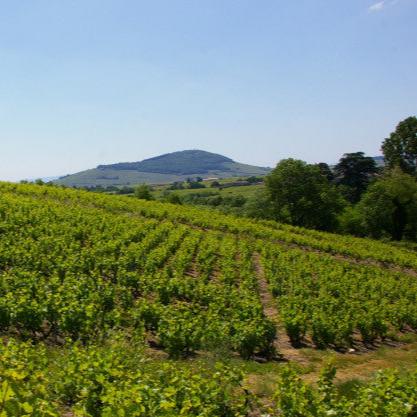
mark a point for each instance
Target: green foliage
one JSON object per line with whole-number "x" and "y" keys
{"x": 111, "y": 380}
{"x": 97, "y": 277}
{"x": 115, "y": 379}
{"x": 389, "y": 394}
{"x": 214, "y": 199}
{"x": 325, "y": 170}
{"x": 207, "y": 219}
{"x": 181, "y": 330}
{"x": 193, "y": 185}
{"x": 302, "y": 196}
{"x": 259, "y": 206}
{"x": 351, "y": 221}
{"x": 330, "y": 300}
{"x": 173, "y": 198}
{"x": 295, "y": 398}
{"x": 400, "y": 149}
{"x": 254, "y": 180}
{"x": 177, "y": 185}
{"x": 79, "y": 272}
{"x": 122, "y": 190}
{"x": 143, "y": 192}
{"x": 354, "y": 172}
{"x": 23, "y": 382}
{"x": 389, "y": 207}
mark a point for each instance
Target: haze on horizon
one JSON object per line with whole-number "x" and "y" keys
{"x": 92, "y": 82}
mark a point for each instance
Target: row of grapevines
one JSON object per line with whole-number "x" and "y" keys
{"x": 115, "y": 379}
{"x": 71, "y": 270}
{"x": 219, "y": 309}
{"x": 330, "y": 300}
{"x": 78, "y": 271}
{"x": 389, "y": 394}
{"x": 111, "y": 380}
{"x": 67, "y": 270}
{"x": 354, "y": 247}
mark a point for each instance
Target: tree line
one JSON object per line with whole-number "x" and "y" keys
{"x": 355, "y": 196}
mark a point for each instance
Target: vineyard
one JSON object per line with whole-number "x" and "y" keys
{"x": 107, "y": 302}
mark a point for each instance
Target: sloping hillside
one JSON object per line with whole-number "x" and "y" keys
{"x": 163, "y": 169}
{"x": 116, "y": 285}
{"x": 178, "y": 163}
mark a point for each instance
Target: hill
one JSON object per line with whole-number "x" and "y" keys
{"x": 97, "y": 292}
{"x": 163, "y": 169}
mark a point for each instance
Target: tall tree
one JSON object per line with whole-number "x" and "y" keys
{"x": 400, "y": 149}
{"x": 302, "y": 196}
{"x": 325, "y": 170}
{"x": 354, "y": 172}
{"x": 390, "y": 207}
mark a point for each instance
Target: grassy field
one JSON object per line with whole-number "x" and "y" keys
{"x": 245, "y": 190}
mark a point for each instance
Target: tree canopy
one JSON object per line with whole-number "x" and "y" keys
{"x": 325, "y": 170}
{"x": 355, "y": 171}
{"x": 400, "y": 149}
{"x": 143, "y": 192}
{"x": 389, "y": 207}
{"x": 302, "y": 196}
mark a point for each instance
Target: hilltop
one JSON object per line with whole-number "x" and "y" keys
{"x": 163, "y": 169}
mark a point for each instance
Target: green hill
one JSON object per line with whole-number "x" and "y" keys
{"x": 110, "y": 305}
{"x": 163, "y": 169}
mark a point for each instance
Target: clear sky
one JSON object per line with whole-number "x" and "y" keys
{"x": 87, "y": 82}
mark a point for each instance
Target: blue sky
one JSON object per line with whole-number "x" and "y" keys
{"x": 86, "y": 82}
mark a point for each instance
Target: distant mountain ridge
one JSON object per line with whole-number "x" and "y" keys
{"x": 163, "y": 169}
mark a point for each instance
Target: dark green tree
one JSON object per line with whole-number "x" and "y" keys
{"x": 194, "y": 185}
{"x": 400, "y": 149}
{"x": 389, "y": 207}
{"x": 143, "y": 192}
{"x": 354, "y": 172}
{"x": 325, "y": 170}
{"x": 254, "y": 180}
{"x": 302, "y": 196}
{"x": 177, "y": 185}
